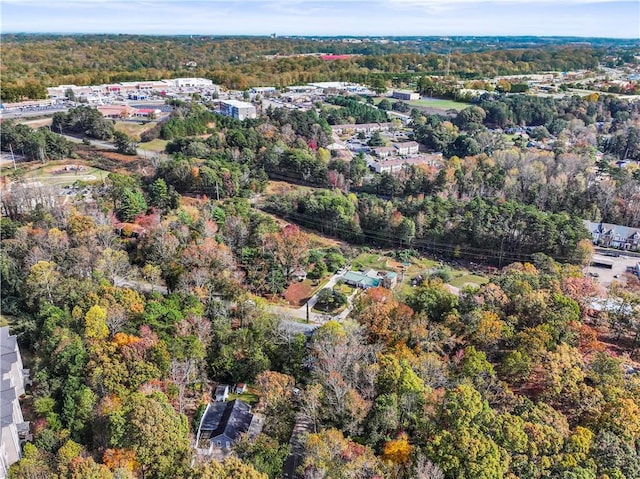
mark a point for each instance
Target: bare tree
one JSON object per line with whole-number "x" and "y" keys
{"x": 425, "y": 469}
{"x": 116, "y": 317}
{"x": 182, "y": 374}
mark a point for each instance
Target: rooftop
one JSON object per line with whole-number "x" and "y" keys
{"x": 230, "y": 419}
{"x": 237, "y": 103}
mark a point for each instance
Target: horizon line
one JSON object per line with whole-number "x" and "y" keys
{"x": 269, "y": 35}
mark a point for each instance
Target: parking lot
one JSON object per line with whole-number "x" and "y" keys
{"x": 606, "y": 276}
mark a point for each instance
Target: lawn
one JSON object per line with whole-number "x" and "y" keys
{"x": 249, "y": 397}
{"x": 56, "y": 175}
{"x": 462, "y": 280}
{"x": 439, "y": 103}
{"x": 134, "y": 129}
{"x": 154, "y": 145}
{"x": 369, "y": 261}
{"x": 344, "y": 288}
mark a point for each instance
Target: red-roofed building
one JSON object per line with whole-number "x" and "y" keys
{"x": 147, "y": 112}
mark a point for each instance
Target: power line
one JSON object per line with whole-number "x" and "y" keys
{"x": 476, "y": 252}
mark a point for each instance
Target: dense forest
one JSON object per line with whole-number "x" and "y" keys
{"x": 33, "y": 62}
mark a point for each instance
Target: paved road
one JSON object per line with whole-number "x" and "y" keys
{"x": 13, "y": 114}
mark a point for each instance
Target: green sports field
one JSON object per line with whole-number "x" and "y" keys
{"x": 439, "y": 103}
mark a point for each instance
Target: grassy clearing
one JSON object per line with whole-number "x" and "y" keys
{"x": 369, "y": 261}
{"x": 134, "y": 129}
{"x": 37, "y": 123}
{"x": 56, "y": 175}
{"x": 464, "y": 279}
{"x": 157, "y": 145}
{"x": 439, "y": 103}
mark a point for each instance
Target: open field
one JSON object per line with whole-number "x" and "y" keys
{"x": 57, "y": 175}
{"x": 134, "y": 129}
{"x": 37, "y": 123}
{"x": 468, "y": 279}
{"x": 157, "y": 145}
{"x": 366, "y": 261}
{"x": 439, "y": 103}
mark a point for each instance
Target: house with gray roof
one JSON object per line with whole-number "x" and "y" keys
{"x": 223, "y": 423}
{"x": 614, "y": 236}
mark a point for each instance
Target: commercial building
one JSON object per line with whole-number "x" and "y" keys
{"x": 239, "y": 110}
{"x": 405, "y": 95}
{"x": 12, "y": 383}
{"x": 116, "y": 111}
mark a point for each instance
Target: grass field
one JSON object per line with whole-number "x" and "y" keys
{"x": 461, "y": 281}
{"x": 55, "y": 175}
{"x": 369, "y": 261}
{"x": 154, "y": 145}
{"x": 134, "y": 129}
{"x": 438, "y": 103}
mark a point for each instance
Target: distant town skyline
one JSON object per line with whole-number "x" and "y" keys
{"x": 582, "y": 18}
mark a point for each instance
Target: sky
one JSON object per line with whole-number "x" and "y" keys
{"x": 583, "y": 18}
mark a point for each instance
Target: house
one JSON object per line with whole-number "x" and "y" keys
{"x": 371, "y": 279}
{"x": 241, "y": 388}
{"x": 405, "y": 95}
{"x": 299, "y": 275}
{"x": 395, "y": 165}
{"x": 222, "y": 393}
{"x": 13, "y": 380}
{"x": 223, "y": 423}
{"x": 614, "y": 236}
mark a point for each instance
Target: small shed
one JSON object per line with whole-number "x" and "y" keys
{"x": 222, "y": 392}
{"x": 241, "y": 388}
